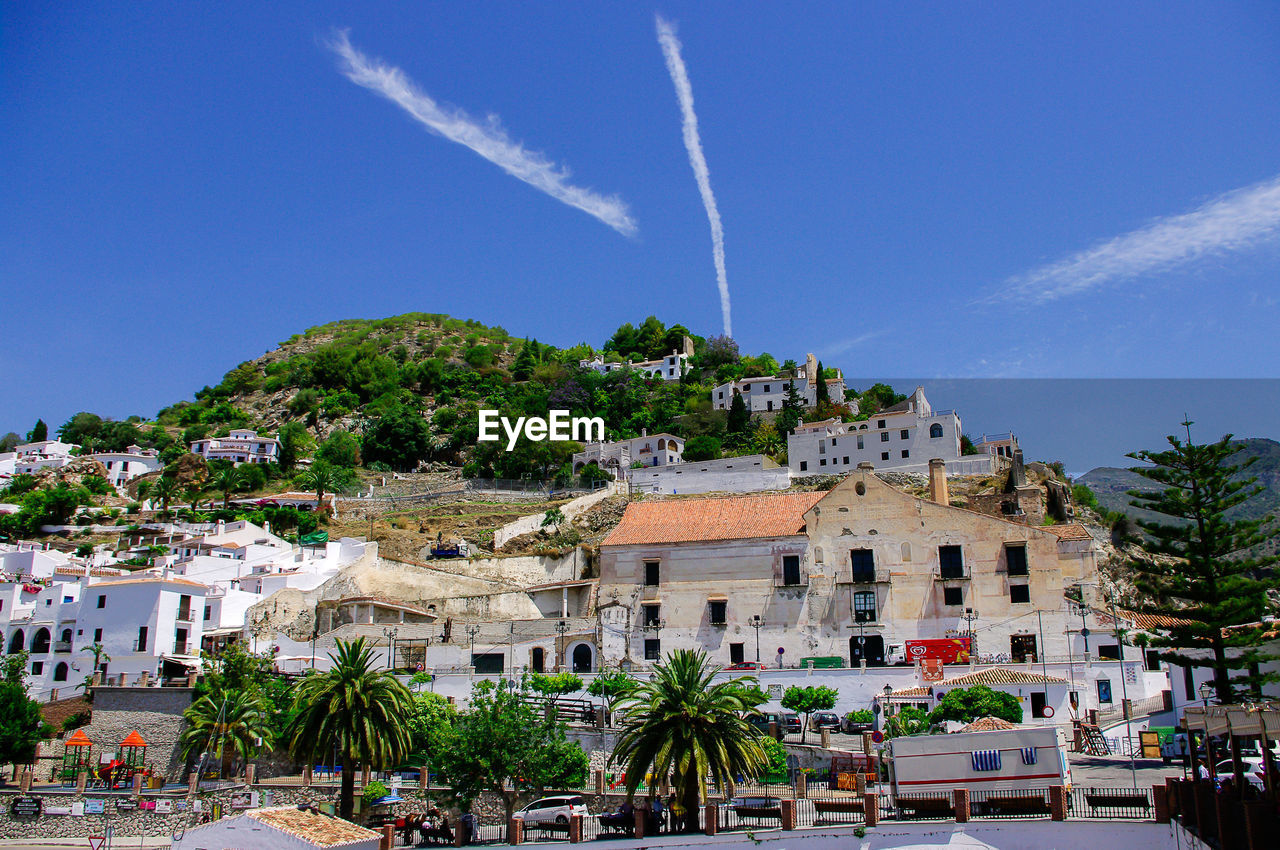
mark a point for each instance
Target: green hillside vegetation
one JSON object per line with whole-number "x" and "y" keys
{"x": 398, "y": 391}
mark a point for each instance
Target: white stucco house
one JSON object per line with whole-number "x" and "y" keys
{"x": 242, "y": 445}
{"x": 618, "y": 456}
{"x": 123, "y": 467}
{"x": 46, "y": 454}
{"x": 669, "y": 368}
{"x": 904, "y": 437}
{"x": 763, "y": 395}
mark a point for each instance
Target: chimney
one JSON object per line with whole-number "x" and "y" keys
{"x": 938, "y": 481}
{"x": 1018, "y": 474}
{"x": 222, "y": 526}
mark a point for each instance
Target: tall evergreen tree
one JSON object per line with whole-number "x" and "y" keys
{"x": 792, "y": 406}
{"x": 739, "y": 416}
{"x": 1213, "y": 581}
{"x": 522, "y": 369}
{"x": 823, "y": 394}
{"x": 39, "y": 433}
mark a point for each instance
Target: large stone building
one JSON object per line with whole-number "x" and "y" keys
{"x": 852, "y": 573}
{"x": 763, "y": 395}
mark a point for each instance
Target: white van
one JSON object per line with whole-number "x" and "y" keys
{"x": 1003, "y": 760}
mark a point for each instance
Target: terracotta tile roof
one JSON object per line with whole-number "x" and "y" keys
{"x": 910, "y": 692}
{"x": 150, "y": 579}
{"x": 696, "y": 520}
{"x": 1002, "y": 676}
{"x": 989, "y": 724}
{"x": 1150, "y": 621}
{"x": 1070, "y": 531}
{"x": 319, "y": 830}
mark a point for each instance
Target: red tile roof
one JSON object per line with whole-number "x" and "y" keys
{"x": 316, "y": 830}
{"x": 699, "y": 520}
{"x": 1070, "y": 531}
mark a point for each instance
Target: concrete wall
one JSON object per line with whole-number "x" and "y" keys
{"x": 730, "y": 475}
{"x": 533, "y": 522}
{"x": 156, "y": 713}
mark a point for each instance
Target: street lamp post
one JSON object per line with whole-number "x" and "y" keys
{"x": 971, "y": 614}
{"x": 562, "y": 627}
{"x": 656, "y": 626}
{"x": 472, "y": 631}
{"x": 390, "y": 635}
{"x": 756, "y": 622}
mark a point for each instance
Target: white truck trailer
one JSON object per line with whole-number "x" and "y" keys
{"x": 1002, "y": 760}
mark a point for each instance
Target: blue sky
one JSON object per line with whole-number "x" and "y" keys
{"x": 952, "y": 190}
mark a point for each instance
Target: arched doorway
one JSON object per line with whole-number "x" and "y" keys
{"x": 16, "y": 640}
{"x": 60, "y": 672}
{"x": 582, "y": 658}
{"x": 870, "y": 647}
{"x": 40, "y": 642}
{"x": 538, "y": 659}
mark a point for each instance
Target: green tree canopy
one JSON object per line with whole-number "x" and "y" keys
{"x": 965, "y": 705}
{"x": 341, "y": 448}
{"x": 501, "y": 740}
{"x": 807, "y": 700}
{"x": 399, "y": 438}
{"x": 38, "y": 433}
{"x": 21, "y": 726}
{"x": 1211, "y": 576}
{"x": 226, "y": 725}
{"x": 612, "y": 686}
{"x": 553, "y": 684}
{"x": 701, "y": 448}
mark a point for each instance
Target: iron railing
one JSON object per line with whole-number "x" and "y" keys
{"x": 1111, "y": 803}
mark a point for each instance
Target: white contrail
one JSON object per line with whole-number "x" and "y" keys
{"x": 684, "y": 92}
{"x": 486, "y": 138}
{"x": 1231, "y": 222}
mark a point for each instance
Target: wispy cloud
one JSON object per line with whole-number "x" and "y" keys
{"x": 851, "y": 343}
{"x": 487, "y": 138}
{"x": 693, "y": 144}
{"x": 1231, "y": 222}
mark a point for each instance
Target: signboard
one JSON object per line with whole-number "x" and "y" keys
{"x": 77, "y": 809}
{"x": 775, "y": 692}
{"x": 94, "y": 807}
{"x": 947, "y": 650}
{"x": 96, "y": 842}
{"x": 1150, "y": 742}
{"x": 931, "y": 669}
{"x": 58, "y": 810}
{"x": 125, "y": 806}
{"x": 163, "y": 807}
{"x": 241, "y": 800}
{"x": 25, "y": 807}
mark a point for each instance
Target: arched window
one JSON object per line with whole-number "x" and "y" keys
{"x": 662, "y": 445}
{"x": 66, "y": 636}
{"x": 16, "y": 641}
{"x": 582, "y": 658}
{"x": 60, "y": 672}
{"x": 906, "y": 551}
{"x": 40, "y": 643}
{"x": 935, "y": 430}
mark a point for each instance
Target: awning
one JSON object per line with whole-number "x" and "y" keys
{"x": 717, "y": 597}
{"x": 1242, "y": 720}
{"x": 648, "y": 602}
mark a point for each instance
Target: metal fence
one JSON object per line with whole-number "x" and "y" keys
{"x": 1111, "y": 803}
{"x": 1013, "y": 803}
{"x": 828, "y": 810}
{"x": 924, "y": 805}
{"x": 753, "y": 815}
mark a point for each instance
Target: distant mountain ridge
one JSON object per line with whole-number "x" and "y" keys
{"x": 1111, "y": 484}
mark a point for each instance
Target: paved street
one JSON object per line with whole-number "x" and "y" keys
{"x": 1109, "y": 771}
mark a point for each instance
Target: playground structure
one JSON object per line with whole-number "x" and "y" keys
{"x": 75, "y": 758}
{"x": 130, "y": 761}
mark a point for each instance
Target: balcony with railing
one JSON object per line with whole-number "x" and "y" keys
{"x": 875, "y": 576}
{"x": 952, "y": 572}
{"x": 62, "y": 646}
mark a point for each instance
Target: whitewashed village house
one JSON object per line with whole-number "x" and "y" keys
{"x": 242, "y": 445}
{"x": 763, "y": 395}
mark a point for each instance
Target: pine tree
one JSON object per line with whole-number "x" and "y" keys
{"x": 1216, "y": 586}
{"x": 522, "y": 369}
{"x": 739, "y": 416}
{"x": 39, "y": 433}
{"x": 823, "y": 394}
{"x": 792, "y": 405}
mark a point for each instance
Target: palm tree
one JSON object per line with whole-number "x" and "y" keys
{"x": 353, "y": 709}
{"x": 99, "y": 656}
{"x": 322, "y": 478}
{"x": 684, "y": 724}
{"x": 229, "y": 723}
{"x": 166, "y": 487}
{"x": 227, "y": 481}
{"x": 194, "y": 494}
{"x": 141, "y": 489}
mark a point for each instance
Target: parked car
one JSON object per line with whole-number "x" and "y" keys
{"x": 791, "y": 722}
{"x": 850, "y": 726}
{"x": 820, "y": 720}
{"x": 746, "y": 665}
{"x": 1253, "y": 768}
{"x": 552, "y": 810}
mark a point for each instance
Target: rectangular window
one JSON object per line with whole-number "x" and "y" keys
{"x": 904, "y": 434}
{"x": 736, "y": 654}
{"x": 184, "y": 607}
{"x": 952, "y": 596}
{"x": 37, "y": 667}
{"x": 652, "y": 649}
{"x": 884, "y": 436}
{"x": 880, "y": 424}
{"x": 804, "y": 464}
{"x": 906, "y": 453}
{"x": 1104, "y": 690}
{"x": 884, "y": 455}
{"x": 208, "y": 612}
{"x": 1152, "y": 658}
{"x": 951, "y": 561}
{"x": 1109, "y": 652}
{"x": 1019, "y": 593}
{"x": 97, "y": 635}
{"x": 790, "y": 570}
{"x": 142, "y": 639}
{"x": 651, "y": 573}
{"x": 846, "y": 460}
{"x": 770, "y": 407}
{"x": 1016, "y": 556}
{"x": 1022, "y": 648}
{"x": 822, "y": 462}
{"x": 716, "y": 612}
{"x": 652, "y": 616}
{"x": 864, "y": 606}
{"x": 1038, "y": 702}
{"x": 860, "y": 441}
{"x": 102, "y": 601}
{"x": 863, "y": 563}
{"x": 766, "y": 387}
